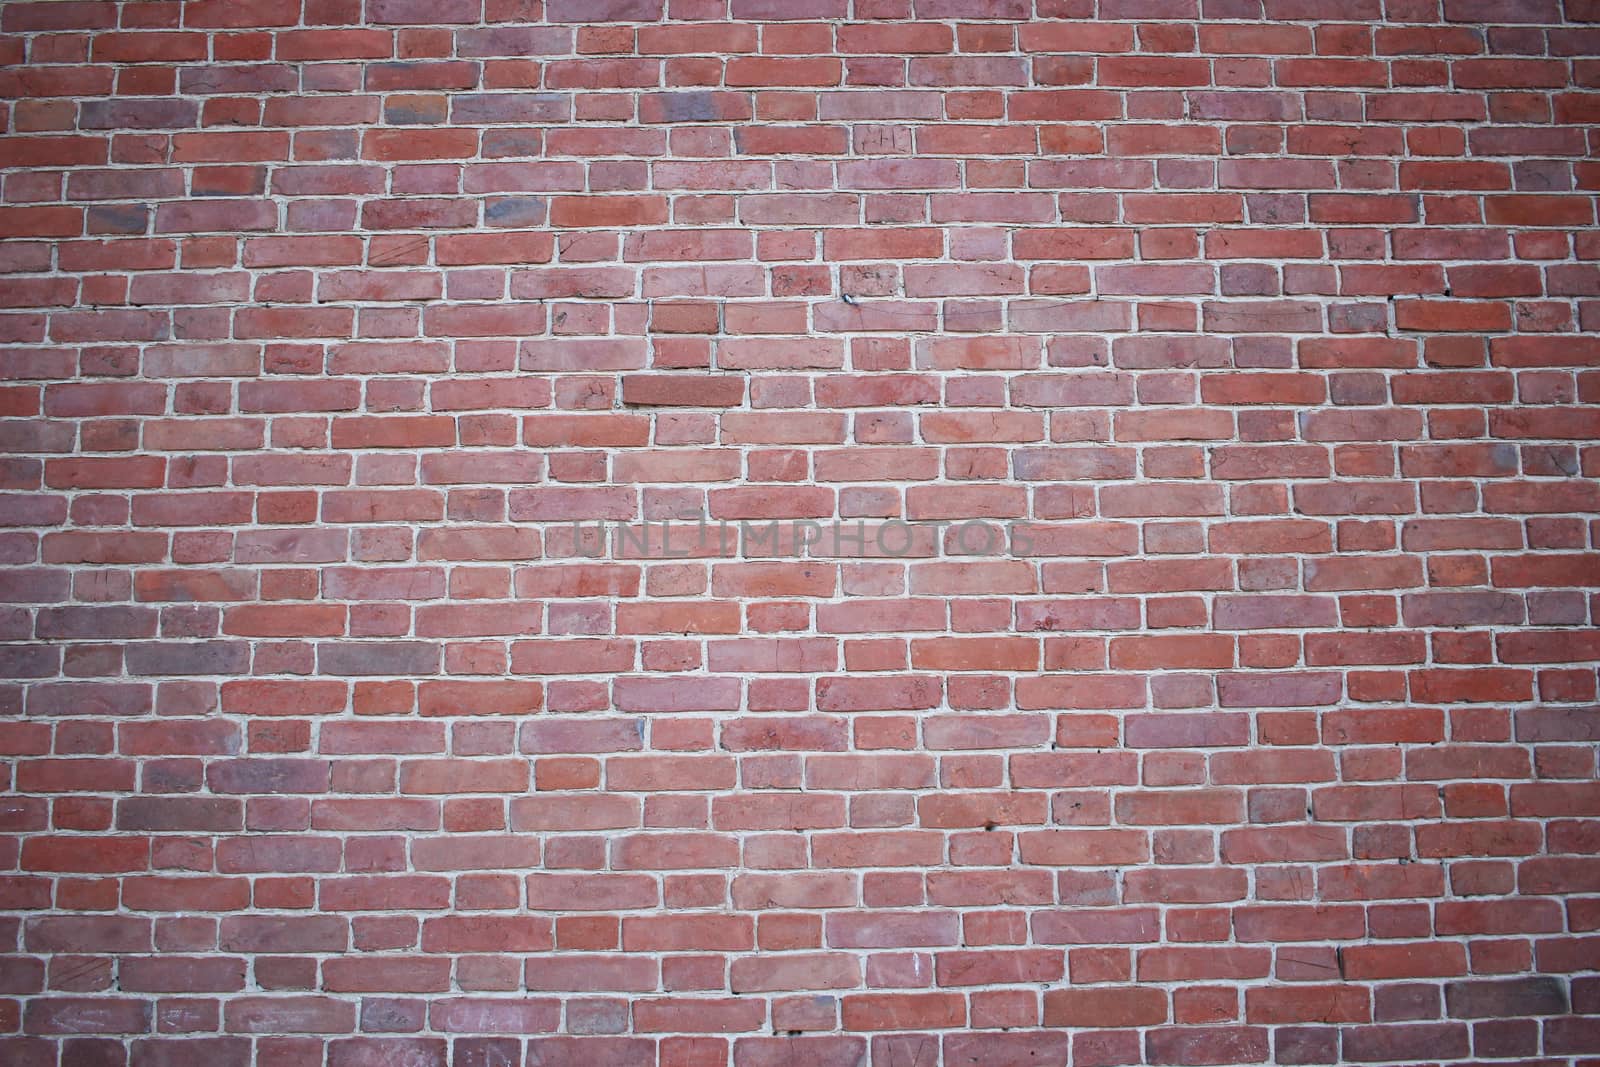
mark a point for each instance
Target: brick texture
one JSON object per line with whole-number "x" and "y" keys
{"x": 827, "y": 532}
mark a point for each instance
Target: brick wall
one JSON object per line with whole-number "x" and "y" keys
{"x": 1145, "y": 606}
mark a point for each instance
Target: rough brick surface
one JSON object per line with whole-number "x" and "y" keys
{"x": 1144, "y": 606}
